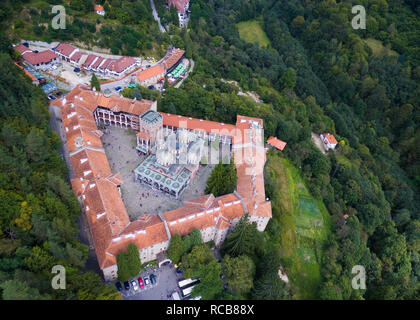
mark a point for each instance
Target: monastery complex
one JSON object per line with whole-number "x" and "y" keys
{"x": 98, "y": 189}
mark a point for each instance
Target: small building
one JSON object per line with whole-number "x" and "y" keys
{"x": 171, "y": 59}
{"x": 122, "y": 66}
{"x": 329, "y": 140}
{"x": 36, "y": 59}
{"x": 150, "y": 124}
{"x": 40, "y": 59}
{"x": 181, "y": 5}
{"x": 150, "y": 75}
{"x": 76, "y": 58}
{"x": 276, "y": 143}
{"x": 99, "y": 9}
{"x": 65, "y": 51}
{"x": 22, "y": 49}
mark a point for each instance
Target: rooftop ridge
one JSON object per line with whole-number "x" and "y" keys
{"x": 166, "y": 225}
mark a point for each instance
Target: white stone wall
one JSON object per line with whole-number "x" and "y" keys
{"x": 220, "y": 236}
{"x": 110, "y": 273}
{"x": 149, "y": 253}
{"x": 261, "y": 222}
{"x": 208, "y": 234}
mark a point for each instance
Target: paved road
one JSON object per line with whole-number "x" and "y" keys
{"x": 155, "y": 15}
{"x": 318, "y": 142}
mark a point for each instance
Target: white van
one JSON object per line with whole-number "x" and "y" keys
{"x": 175, "y": 296}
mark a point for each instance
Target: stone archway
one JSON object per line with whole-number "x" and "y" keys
{"x": 162, "y": 259}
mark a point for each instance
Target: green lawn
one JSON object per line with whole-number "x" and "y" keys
{"x": 252, "y": 31}
{"x": 304, "y": 223}
{"x": 379, "y": 49}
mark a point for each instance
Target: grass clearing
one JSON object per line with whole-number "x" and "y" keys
{"x": 252, "y": 31}
{"x": 305, "y": 225}
{"x": 379, "y": 49}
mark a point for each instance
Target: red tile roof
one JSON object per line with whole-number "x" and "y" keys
{"x": 98, "y": 187}
{"x": 179, "y": 4}
{"x": 98, "y": 62}
{"x": 198, "y": 124}
{"x": 171, "y": 58}
{"x": 150, "y": 72}
{"x": 98, "y": 7}
{"x": 21, "y": 48}
{"x": 106, "y": 64}
{"x": 277, "y": 143}
{"x": 76, "y": 57}
{"x": 331, "y": 139}
{"x": 65, "y": 49}
{"x": 90, "y": 58}
{"x": 41, "y": 57}
{"x": 121, "y": 64}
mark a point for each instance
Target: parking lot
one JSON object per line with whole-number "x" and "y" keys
{"x": 166, "y": 283}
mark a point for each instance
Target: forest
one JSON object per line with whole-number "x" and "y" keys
{"x": 38, "y": 210}
{"x": 317, "y": 74}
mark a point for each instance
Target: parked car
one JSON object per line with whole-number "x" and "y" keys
{"x": 134, "y": 284}
{"x": 76, "y": 69}
{"x": 119, "y": 286}
{"x": 126, "y": 285}
{"x": 152, "y": 278}
{"x": 51, "y": 97}
{"x": 141, "y": 283}
{"x": 118, "y": 88}
{"x": 148, "y": 66}
{"x": 146, "y": 281}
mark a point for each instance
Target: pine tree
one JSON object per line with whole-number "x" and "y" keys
{"x": 175, "y": 249}
{"x": 128, "y": 263}
{"x": 172, "y": 108}
{"x": 94, "y": 83}
{"x": 244, "y": 238}
{"x": 269, "y": 287}
{"x": 137, "y": 94}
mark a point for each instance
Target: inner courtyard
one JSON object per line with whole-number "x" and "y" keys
{"x": 139, "y": 198}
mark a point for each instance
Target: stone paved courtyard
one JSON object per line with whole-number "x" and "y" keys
{"x": 119, "y": 145}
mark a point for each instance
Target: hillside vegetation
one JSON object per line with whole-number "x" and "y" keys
{"x": 319, "y": 75}
{"x": 304, "y": 225}
{"x": 251, "y": 31}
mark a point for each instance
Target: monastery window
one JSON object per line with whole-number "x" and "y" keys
{"x": 83, "y": 160}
